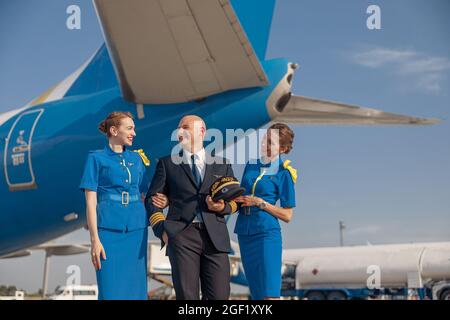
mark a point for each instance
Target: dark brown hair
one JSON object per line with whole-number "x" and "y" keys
{"x": 113, "y": 119}
{"x": 286, "y": 135}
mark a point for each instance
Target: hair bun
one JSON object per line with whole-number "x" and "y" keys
{"x": 113, "y": 119}
{"x": 102, "y": 126}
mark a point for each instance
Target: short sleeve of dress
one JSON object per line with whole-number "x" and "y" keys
{"x": 89, "y": 179}
{"x": 286, "y": 190}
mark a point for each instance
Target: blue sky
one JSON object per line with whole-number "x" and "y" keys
{"x": 388, "y": 184}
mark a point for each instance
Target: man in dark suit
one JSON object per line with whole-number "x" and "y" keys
{"x": 195, "y": 229}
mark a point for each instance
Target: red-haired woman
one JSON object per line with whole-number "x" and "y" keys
{"x": 113, "y": 183}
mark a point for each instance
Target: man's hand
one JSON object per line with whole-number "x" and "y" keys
{"x": 218, "y": 206}
{"x": 160, "y": 200}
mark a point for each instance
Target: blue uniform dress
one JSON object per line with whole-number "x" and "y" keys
{"x": 118, "y": 179}
{"x": 259, "y": 232}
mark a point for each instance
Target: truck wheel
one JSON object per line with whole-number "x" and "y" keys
{"x": 336, "y": 295}
{"x": 315, "y": 295}
{"x": 445, "y": 295}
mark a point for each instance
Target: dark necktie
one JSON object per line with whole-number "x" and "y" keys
{"x": 198, "y": 181}
{"x": 196, "y": 173}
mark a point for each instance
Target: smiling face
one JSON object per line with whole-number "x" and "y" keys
{"x": 277, "y": 140}
{"x": 191, "y": 132}
{"x": 270, "y": 145}
{"x": 124, "y": 133}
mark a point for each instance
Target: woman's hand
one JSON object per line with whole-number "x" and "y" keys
{"x": 218, "y": 206}
{"x": 284, "y": 214}
{"x": 248, "y": 201}
{"x": 97, "y": 252}
{"x": 160, "y": 200}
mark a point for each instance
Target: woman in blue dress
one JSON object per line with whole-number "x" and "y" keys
{"x": 267, "y": 180}
{"x": 113, "y": 182}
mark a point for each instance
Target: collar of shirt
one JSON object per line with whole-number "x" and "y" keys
{"x": 111, "y": 152}
{"x": 200, "y": 156}
{"x": 274, "y": 161}
{"x": 200, "y": 163}
{"x": 272, "y": 167}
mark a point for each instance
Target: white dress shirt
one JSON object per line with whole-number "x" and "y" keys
{"x": 200, "y": 157}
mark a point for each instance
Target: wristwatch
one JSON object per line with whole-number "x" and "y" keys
{"x": 262, "y": 205}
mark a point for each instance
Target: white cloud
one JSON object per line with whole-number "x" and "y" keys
{"x": 417, "y": 70}
{"x": 378, "y": 57}
{"x": 424, "y": 65}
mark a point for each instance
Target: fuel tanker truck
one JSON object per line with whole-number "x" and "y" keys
{"x": 394, "y": 271}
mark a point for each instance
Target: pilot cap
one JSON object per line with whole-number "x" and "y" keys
{"x": 226, "y": 188}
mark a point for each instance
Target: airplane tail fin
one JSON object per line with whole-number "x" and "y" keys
{"x": 256, "y": 18}
{"x": 98, "y": 75}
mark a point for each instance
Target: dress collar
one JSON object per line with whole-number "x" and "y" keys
{"x": 276, "y": 160}
{"x": 110, "y": 151}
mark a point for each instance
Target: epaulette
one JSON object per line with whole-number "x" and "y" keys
{"x": 143, "y": 156}
{"x": 291, "y": 170}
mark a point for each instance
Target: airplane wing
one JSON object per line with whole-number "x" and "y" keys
{"x": 63, "y": 249}
{"x": 170, "y": 51}
{"x": 17, "y": 254}
{"x": 303, "y": 110}
{"x": 54, "y": 249}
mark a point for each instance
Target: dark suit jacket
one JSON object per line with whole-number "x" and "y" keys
{"x": 175, "y": 180}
